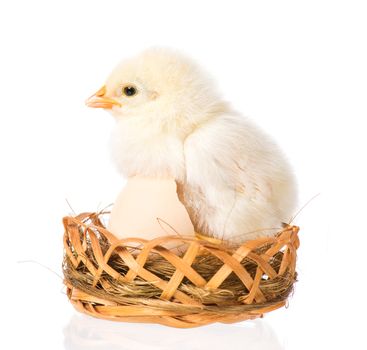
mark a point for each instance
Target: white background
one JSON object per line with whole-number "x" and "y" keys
{"x": 299, "y": 69}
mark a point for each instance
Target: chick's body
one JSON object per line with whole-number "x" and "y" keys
{"x": 232, "y": 178}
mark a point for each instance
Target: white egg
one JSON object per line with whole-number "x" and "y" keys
{"x": 148, "y": 208}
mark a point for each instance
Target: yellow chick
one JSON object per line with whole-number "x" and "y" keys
{"x": 171, "y": 122}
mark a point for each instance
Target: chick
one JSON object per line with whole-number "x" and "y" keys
{"x": 232, "y": 178}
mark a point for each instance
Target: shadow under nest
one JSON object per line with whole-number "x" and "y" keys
{"x": 227, "y": 298}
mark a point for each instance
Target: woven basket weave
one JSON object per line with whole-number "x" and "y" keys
{"x": 100, "y": 271}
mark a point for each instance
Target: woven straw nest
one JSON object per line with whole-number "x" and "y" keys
{"x": 137, "y": 280}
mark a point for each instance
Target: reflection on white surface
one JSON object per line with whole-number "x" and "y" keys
{"x": 84, "y": 332}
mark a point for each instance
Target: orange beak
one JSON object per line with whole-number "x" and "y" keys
{"x": 99, "y": 100}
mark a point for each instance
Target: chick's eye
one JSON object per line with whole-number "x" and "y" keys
{"x": 129, "y": 91}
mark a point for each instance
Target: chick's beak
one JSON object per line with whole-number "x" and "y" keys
{"x": 99, "y": 100}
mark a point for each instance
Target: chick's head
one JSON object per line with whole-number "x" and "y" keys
{"x": 161, "y": 85}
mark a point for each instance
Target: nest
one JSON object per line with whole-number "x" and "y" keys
{"x": 201, "y": 282}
